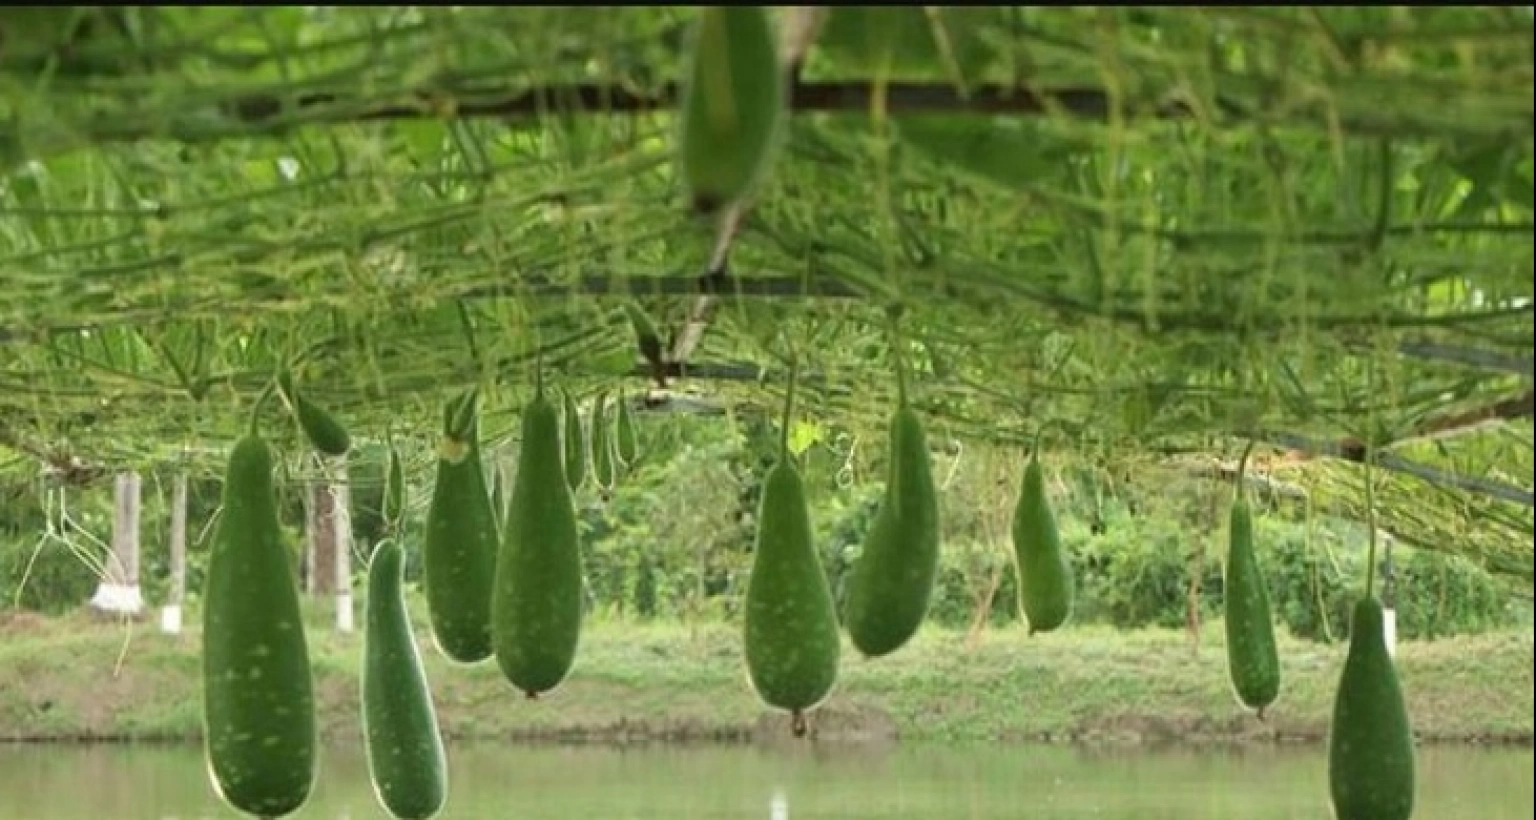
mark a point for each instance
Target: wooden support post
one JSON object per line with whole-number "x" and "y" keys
{"x": 170, "y": 616}
{"x": 118, "y": 593}
{"x": 341, "y": 535}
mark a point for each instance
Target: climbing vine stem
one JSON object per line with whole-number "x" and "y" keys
{"x": 1370, "y": 516}
{"x": 1242, "y": 466}
{"x": 789, "y": 405}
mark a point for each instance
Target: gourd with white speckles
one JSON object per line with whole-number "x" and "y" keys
{"x": 458, "y": 554}
{"x": 791, "y": 638}
{"x": 406, "y": 762}
{"x": 258, "y": 698}
{"x": 536, "y": 608}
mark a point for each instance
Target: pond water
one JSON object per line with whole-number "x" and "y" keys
{"x": 902, "y": 783}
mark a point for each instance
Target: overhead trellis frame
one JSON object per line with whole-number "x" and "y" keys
{"x": 1135, "y": 155}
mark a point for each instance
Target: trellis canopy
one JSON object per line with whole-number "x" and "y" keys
{"x": 1134, "y": 232}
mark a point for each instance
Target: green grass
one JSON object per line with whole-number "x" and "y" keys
{"x": 59, "y": 679}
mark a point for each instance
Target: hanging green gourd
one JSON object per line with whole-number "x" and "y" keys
{"x": 626, "y": 441}
{"x": 893, "y": 580}
{"x": 537, "y": 605}
{"x": 732, "y": 107}
{"x": 575, "y": 441}
{"x": 394, "y": 493}
{"x": 791, "y": 635}
{"x": 1370, "y": 743}
{"x": 1253, "y": 663}
{"x": 325, "y": 433}
{"x": 258, "y": 698}
{"x": 602, "y": 445}
{"x": 403, "y": 748}
{"x": 1046, "y": 585}
{"x": 459, "y": 550}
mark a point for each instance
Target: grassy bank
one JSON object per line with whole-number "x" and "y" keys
{"x": 77, "y": 678}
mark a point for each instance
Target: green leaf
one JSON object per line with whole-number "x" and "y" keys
{"x": 1009, "y": 151}
{"x": 802, "y": 436}
{"x": 1497, "y": 176}
{"x": 857, "y": 37}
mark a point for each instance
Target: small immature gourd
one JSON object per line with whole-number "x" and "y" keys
{"x": 1046, "y": 586}
{"x": 603, "y": 468}
{"x": 394, "y": 493}
{"x": 325, "y": 433}
{"x": 575, "y": 441}
{"x": 626, "y": 441}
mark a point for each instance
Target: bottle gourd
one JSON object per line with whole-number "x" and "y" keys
{"x": 459, "y": 550}
{"x": 892, "y": 583}
{"x": 733, "y": 105}
{"x": 1370, "y": 744}
{"x": 258, "y": 697}
{"x": 537, "y": 604}
{"x": 1046, "y": 586}
{"x": 406, "y": 762}
{"x": 791, "y": 636}
{"x": 1253, "y": 663}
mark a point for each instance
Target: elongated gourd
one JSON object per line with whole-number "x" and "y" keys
{"x": 1253, "y": 663}
{"x": 1046, "y": 586}
{"x": 602, "y": 446}
{"x": 537, "y": 604}
{"x": 733, "y": 104}
{"x": 626, "y": 441}
{"x": 792, "y": 642}
{"x": 406, "y": 762}
{"x": 394, "y": 493}
{"x": 575, "y": 446}
{"x": 325, "y": 433}
{"x": 459, "y": 549}
{"x": 1370, "y": 744}
{"x": 258, "y": 698}
{"x": 892, "y": 583}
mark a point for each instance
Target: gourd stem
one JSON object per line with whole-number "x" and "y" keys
{"x": 1034, "y": 444}
{"x": 1370, "y": 486}
{"x": 898, "y": 353}
{"x": 789, "y": 403}
{"x": 261, "y": 399}
{"x": 1242, "y": 466}
{"x": 1370, "y": 517}
{"x": 538, "y": 374}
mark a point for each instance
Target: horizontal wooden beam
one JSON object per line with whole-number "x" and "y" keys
{"x": 257, "y": 113}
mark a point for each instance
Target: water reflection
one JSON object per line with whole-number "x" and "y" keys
{"x": 490, "y": 782}
{"x": 778, "y": 806}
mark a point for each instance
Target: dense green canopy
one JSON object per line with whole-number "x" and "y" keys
{"x": 1148, "y": 232}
